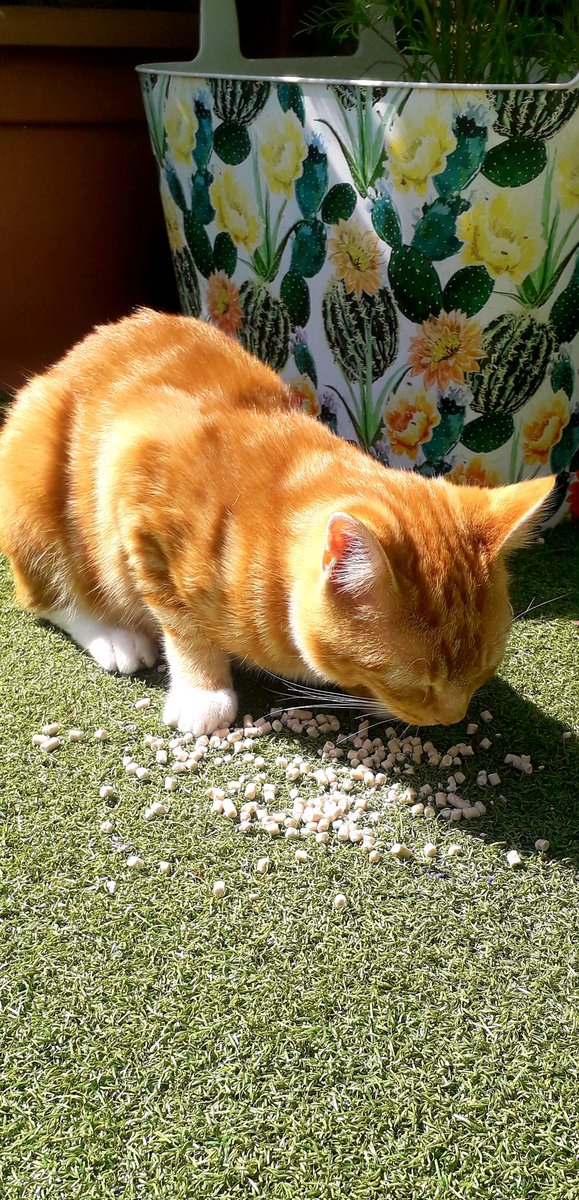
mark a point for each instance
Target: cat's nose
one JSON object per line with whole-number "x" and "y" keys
{"x": 451, "y": 710}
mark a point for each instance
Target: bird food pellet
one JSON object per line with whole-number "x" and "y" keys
{"x": 51, "y": 729}
{"x": 454, "y": 851}
{"x": 399, "y": 850}
{"x": 107, "y": 827}
{"x": 165, "y": 868}
{"x": 50, "y": 744}
{"x": 106, "y": 791}
{"x": 143, "y": 774}
{"x": 340, "y": 901}
{"x": 75, "y": 735}
{"x": 135, "y": 863}
{"x": 110, "y": 886}
{"x": 542, "y": 845}
{"x": 514, "y": 859}
{"x": 219, "y": 889}
{"x": 430, "y": 850}
{"x": 301, "y": 856}
{"x": 101, "y": 735}
{"x": 262, "y": 866}
{"x": 144, "y": 703}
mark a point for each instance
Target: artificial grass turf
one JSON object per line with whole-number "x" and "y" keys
{"x": 155, "y": 1043}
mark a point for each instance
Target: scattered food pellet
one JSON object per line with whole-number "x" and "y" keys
{"x": 454, "y": 850}
{"x": 143, "y": 774}
{"x": 50, "y": 729}
{"x": 514, "y": 859}
{"x": 542, "y": 845}
{"x": 486, "y": 715}
{"x": 107, "y": 826}
{"x": 340, "y": 901}
{"x": 106, "y": 791}
{"x": 262, "y": 866}
{"x": 219, "y": 889}
{"x": 50, "y": 744}
{"x": 301, "y": 856}
{"x": 399, "y": 850}
{"x": 135, "y": 863}
{"x": 253, "y": 896}
{"x": 374, "y": 856}
{"x": 110, "y": 886}
{"x": 101, "y": 735}
{"x": 568, "y": 734}
{"x": 144, "y": 703}
{"x": 430, "y": 850}
{"x": 38, "y": 739}
{"x": 170, "y": 784}
{"x": 75, "y": 735}
{"x": 165, "y": 868}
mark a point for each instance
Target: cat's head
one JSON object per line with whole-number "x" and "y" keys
{"x": 409, "y": 604}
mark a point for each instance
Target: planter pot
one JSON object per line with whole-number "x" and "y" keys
{"x": 405, "y": 255}
{"x": 80, "y": 223}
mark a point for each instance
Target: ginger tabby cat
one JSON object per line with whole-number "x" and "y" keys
{"x": 157, "y": 487}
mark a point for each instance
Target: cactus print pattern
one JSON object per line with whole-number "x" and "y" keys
{"x": 407, "y": 258}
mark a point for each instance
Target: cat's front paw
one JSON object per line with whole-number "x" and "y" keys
{"x": 197, "y": 710}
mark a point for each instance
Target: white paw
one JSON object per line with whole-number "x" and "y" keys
{"x": 120, "y": 650}
{"x": 197, "y": 710}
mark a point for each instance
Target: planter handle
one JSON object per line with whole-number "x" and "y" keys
{"x": 220, "y": 53}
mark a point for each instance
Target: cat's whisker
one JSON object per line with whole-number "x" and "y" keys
{"x": 531, "y": 607}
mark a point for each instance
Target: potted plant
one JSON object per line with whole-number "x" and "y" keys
{"x": 404, "y": 252}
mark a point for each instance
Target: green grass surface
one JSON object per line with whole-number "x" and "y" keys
{"x": 155, "y": 1043}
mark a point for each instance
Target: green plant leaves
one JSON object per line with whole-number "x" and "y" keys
{"x": 295, "y": 294}
{"x": 563, "y": 376}
{"x": 309, "y": 248}
{"x": 232, "y": 142}
{"x": 339, "y": 203}
{"x": 386, "y": 221}
{"x": 468, "y": 290}
{"x": 515, "y": 162}
{"x": 201, "y": 204}
{"x": 415, "y": 284}
{"x": 488, "y": 432}
{"x": 435, "y": 233}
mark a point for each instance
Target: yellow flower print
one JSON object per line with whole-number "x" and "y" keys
{"x": 410, "y": 419}
{"x": 504, "y": 234}
{"x": 223, "y": 303}
{"x": 567, "y": 164}
{"x": 283, "y": 151}
{"x": 417, "y": 153}
{"x": 355, "y": 253}
{"x": 233, "y": 211}
{"x": 181, "y": 124}
{"x": 304, "y": 396}
{"x": 173, "y": 218}
{"x": 545, "y": 426}
{"x": 474, "y": 474}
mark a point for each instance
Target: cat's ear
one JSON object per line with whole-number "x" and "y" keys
{"x": 353, "y": 560}
{"x": 514, "y": 511}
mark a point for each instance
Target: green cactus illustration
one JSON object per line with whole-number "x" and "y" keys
{"x": 187, "y": 282}
{"x": 204, "y": 138}
{"x": 515, "y": 162}
{"x": 488, "y": 432}
{"x": 312, "y": 185}
{"x": 535, "y": 114}
{"x": 201, "y": 206}
{"x": 231, "y": 142}
{"x": 445, "y": 436}
{"x": 435, "y": 232}
{"x": 415, "y": 284}
{"x": 563, "y": 452}
{"x": 563, "y": 375}
{"x": 339, "y": 204}
{"x": 199, "y": 244}
{"x": 468, "y": 290}
{"x": 225, "y": 254}
{"x": 304, "y": 361}
{"x": 291, "y": 98}
{"x": 295, "y": 294}
{"x": 266, "y": 325}
{"x": 386, "y": 221}
{"x": 462, "y": 164}
{"x": 239, "y": 100}
{"x": 518, "y": 349}
{"x": 564, "y": 316}
{"x": 308, "y": 248}
{"x": 356, "y": 324}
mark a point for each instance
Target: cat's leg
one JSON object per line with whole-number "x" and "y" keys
{"x": 201, "y": 698}
{"x": 115, "y": 649}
